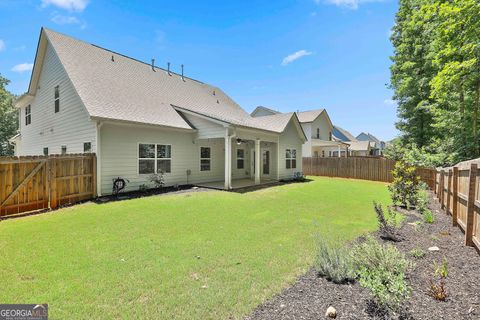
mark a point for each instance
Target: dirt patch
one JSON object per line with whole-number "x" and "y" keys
{"x": 310, "y": 296}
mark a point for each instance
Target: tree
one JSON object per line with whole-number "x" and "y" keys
{"x": 8, "y": 118}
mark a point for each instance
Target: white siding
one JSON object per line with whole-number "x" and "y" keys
{"x": 205, "y": 128}
{"x": 307, "y": 146}
{"x": 289, "y": 139}
{"x": 119, "y": 155}
{"x": 70, "y": 127}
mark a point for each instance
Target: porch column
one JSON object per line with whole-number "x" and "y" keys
{"x": 228, "y": 153}
{"x": 257, "y": 161}
{"x": 339, "y": 154}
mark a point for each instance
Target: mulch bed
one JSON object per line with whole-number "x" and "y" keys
{"x": 310, "y": 296}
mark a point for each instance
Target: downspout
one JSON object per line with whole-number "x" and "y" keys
{"x": 230, "y": 162}
{"x": 99, "y": 160}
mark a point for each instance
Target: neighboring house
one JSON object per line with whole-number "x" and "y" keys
{"x": 140, "y": 119}
{"x": 318, "y": 129}
{"x": 356, "y": 148}
{"x": 376, "y": 145}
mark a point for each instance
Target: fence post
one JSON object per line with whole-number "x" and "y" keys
{"x": 440, "y": 188}
{"x": 455, "y": 196}
{"x": 53, "y": 183}
{"x": 471, "y": 205}
{"x": 449, "y": 182}
{"x": 94, "y": 175}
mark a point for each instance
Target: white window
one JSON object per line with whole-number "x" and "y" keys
{"x": 28, "y": 115}
{"x": 240, "y": 158}
{"x": 291, "y": 158}
{"x": 205, "y": 158}
{"x": 87, "y": 147}
{"x": 45, "y": 151}
{"x": 154, "y": 158}
{"x": 64, "y": 149}
{"x": 57, "y": 99}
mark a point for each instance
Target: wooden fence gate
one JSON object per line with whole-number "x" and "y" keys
{"x": 45, "y": 182}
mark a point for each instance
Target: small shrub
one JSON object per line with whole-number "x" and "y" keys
{"x": 158, "y": 179}
{"x": 143, "y": 187}
{"x": 417, "y": 253}
{"x": 333, "y": 261}
{"x": 437, "y": 290}
{"x": 441, "y": 269}
{"x": 428, "y": 216}
{"x": 386, "y": 223}
{"x": 381, "y": 269}
{"x": 405, "y": 185}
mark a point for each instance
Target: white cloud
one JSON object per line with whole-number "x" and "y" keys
{"x": 294, "y": 56}
{"x": 349, "y": 4}
{"x": 70, "y": 5}
{"x": 2, "y": 45}
{"x": 59, "y": 19}
{"x": 390, "y": 102}
{"x": 22, "y": 67}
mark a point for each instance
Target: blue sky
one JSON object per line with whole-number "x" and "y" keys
{"x": 284, "y": 54}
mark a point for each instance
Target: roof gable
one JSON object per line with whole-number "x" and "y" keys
{"x": 262, "y": 111}
{"x": 343, "y": 134}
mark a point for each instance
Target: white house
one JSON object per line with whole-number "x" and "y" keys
{"x": 318, "y": 129}
{"x": 140, "y": 119}
{"x": 376, "y": 145}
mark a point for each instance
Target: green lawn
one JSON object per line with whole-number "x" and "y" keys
{"x": 191, "y": 256}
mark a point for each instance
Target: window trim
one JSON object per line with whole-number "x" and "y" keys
{"x": 242, "y": 158}
{"x": 28, "y": 116}
{"x": 155, "y": 159}
{"x": 200, "y": 156}
{"x": 290, "y": 158}
{"x": 56, "y": 98}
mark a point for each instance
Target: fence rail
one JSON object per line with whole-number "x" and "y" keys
{"x": 457, "y": 189}
{"x": 367, "y": 168}
{"x": 43, "y": 182}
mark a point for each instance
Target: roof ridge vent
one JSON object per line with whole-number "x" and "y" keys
{"x": 153, "y": 64}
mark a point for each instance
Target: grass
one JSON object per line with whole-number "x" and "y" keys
{"x": 191, "y": 256}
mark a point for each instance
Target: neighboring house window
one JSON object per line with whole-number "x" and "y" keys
{"x": 28, "y": 115}
{"x": 205, "y": 158}
{"x": 315, "y": 154}
{"x": 154, "y": 158}
{"x": 45, "y": 151}
{"x": 330, "y": 136}
{"x": 323, "y": 153}
{"x": 64, "y": 149}
{"x": 318, "y": 133}
{"x": 164, "y": 158}
{"x": 87, "y": 147}
{"x": 240, "y": 158}
{"x": 57, "y": 99}
{"x": 291, "y": 158}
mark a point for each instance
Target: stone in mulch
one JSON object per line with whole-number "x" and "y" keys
{"x": 310, "y": 296}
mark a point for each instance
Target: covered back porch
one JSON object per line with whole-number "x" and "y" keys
{"x": 250, "y": 158}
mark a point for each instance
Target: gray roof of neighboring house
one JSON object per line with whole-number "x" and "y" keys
{"x": 343, "y": 134}
{"x": 359, "y": 145}
{"x": 259, "y": 108}
{"x": 130, "y": 90}
{"x": 309, "y": 116}
{"x": 369, "y": 136}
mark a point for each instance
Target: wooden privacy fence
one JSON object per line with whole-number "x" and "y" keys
{"x": 367, "y": 168}
{"x": 458, "y": 191}
{"x": 43, "y": 182}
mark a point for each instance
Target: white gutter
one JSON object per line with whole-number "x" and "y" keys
{"x": 99, "y": 162}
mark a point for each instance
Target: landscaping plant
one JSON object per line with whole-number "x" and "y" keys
{"x": 333, "y": 261}
{"x": 437, "y": 288}
{"x": 422, "y": 203}
{"x": 417, "y": 253}
{"x": 386, "y": 223}
{"x": 381, "y": 269}
{"x": 158, "y": 179}
{"x": 405, "y": 185}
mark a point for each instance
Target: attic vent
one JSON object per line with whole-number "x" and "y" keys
{"x": 168, "y": 68}
{"x": 153, "y": 64}
{"x": 113, "y": 59}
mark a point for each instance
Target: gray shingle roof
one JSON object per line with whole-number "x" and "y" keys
{"x": 129, "y": 90}
{"x": 309, "y": 116}
{"x": 345, "y": 133}
{"x": 359, "y": 145}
